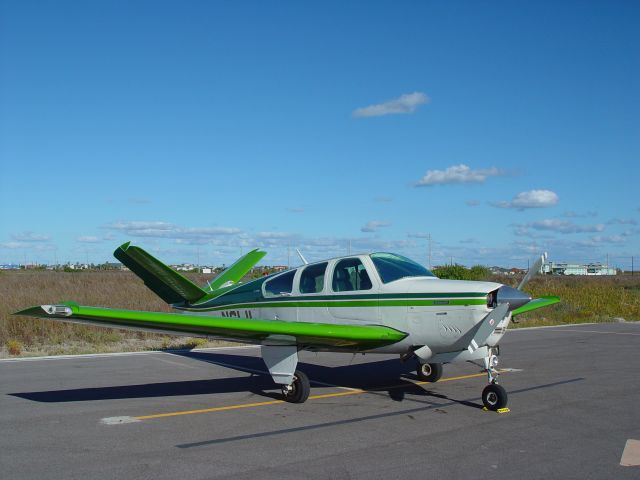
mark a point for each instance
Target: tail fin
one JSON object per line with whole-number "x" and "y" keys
{"x": 165, "y": 282}
{"x": 238, "y": 270}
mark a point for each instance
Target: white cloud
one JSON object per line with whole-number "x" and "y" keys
{"x": 622, "y": 221}
{"x": 32, "y": 246}
{"x": 31, "y": 237}
{"x": 406, "y": 103}
{"x": 418, "y": 235}
{"x": 374, "y": 226}
{"x": 608, "y": 239}
{"x": 530, "y": 199}
{"x": 169, "y": 230}
{"x": 88, "y": 239}
{"x": 458, "y": 174}
{"x": 564, "y": 226}
{"x": 573, "y": 214}
{"x": 472, "y": 203}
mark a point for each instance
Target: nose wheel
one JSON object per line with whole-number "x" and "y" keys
{"x": 494, "y": 396}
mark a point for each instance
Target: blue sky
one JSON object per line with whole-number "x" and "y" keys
{"x": 201, "y": 129}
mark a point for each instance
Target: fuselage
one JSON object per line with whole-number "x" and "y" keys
{"x": 376, "y": 289}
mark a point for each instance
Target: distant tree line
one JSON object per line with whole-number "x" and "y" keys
{"x": 460, "y": 272}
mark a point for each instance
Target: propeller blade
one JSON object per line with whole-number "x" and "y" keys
{"x": 534, "y": 269}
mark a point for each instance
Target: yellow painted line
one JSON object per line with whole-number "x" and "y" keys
{"x": 207, "y": 410}
{"x": 311, "y": 397}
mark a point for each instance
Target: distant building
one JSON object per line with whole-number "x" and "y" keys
{"x": 554, "y": 268}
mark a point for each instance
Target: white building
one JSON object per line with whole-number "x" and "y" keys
{"x": 577, "y": 269}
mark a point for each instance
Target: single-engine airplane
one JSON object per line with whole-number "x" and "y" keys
{"x": 374, "y": 303}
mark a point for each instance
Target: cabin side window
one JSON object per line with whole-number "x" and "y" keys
{"x": 312, "y": 278}
{"x": 280, "y": 285}
{"x": 350, "y": 275}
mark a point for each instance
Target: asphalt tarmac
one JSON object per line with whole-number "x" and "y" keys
{"x": 574, "y": 396}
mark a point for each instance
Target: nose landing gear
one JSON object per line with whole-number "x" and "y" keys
{"x": 494, "y": 396}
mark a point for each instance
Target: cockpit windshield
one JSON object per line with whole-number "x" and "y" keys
{"x": 393, "y": 267}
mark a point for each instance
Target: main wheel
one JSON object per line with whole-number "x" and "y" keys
{"x": 298, "y": 391}
{"x": 494, "y": 397}
{"x": 429, "y": 372}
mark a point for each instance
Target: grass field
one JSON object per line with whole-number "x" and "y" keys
{"x": 584, "y": 299}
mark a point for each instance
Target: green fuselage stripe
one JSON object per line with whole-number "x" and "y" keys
{"x": 312, "y": 303}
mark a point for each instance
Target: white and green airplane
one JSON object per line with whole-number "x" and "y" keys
{"x": 373, "y": 303}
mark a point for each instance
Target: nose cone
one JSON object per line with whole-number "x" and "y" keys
{"x": 514, "y": 297}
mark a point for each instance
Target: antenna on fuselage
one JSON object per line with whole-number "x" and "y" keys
{"x": 304, "y": 260}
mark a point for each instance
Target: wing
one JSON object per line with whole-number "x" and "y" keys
{"x": 535, "y": 304}
{"x": 303, "y": 334}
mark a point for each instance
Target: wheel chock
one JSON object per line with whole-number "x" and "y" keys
{"x": 500, "y": 410}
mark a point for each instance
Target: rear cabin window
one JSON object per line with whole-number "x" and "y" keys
{"x": 282, "y": 284}
{"x": 394, "y": 267}
{"x": 350, "y": 275}
{"x": 312, "y": 278}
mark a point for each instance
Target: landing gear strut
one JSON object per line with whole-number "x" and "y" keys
{"x": 429, "y": 372}
{"x": 298, "y": 391}
{"x": 494, "y": 396}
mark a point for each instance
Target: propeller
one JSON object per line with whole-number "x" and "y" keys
{"x": 535, "y": 268}
{"x": 515, "y": 297}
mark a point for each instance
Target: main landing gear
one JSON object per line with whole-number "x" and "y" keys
{"x": 429, "y": 372}
{"x": 298, "y": 391}
{"x": 494, "y": 396}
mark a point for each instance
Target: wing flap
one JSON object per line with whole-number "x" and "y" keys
{"x": 535, "y": 304}
{"x": 321, "y": 335}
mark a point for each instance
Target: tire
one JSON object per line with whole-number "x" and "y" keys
{"x": 429, "y": 372}
{"x": 494, "y": 397}
{"x": 300, "y": 389}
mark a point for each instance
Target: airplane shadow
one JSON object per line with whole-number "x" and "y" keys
{"x": 386, "y": 377}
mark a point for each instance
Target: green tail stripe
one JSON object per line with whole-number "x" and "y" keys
{"x": 165, "y": 282}
{"x": 238, "y": 270}
{"x": 535, "y": 304}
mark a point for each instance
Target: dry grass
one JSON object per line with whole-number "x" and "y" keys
{"x": 584, "y": 299}
{"x": 22, "y": 289}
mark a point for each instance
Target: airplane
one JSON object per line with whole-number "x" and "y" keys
{"x": 365, "y": 303}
